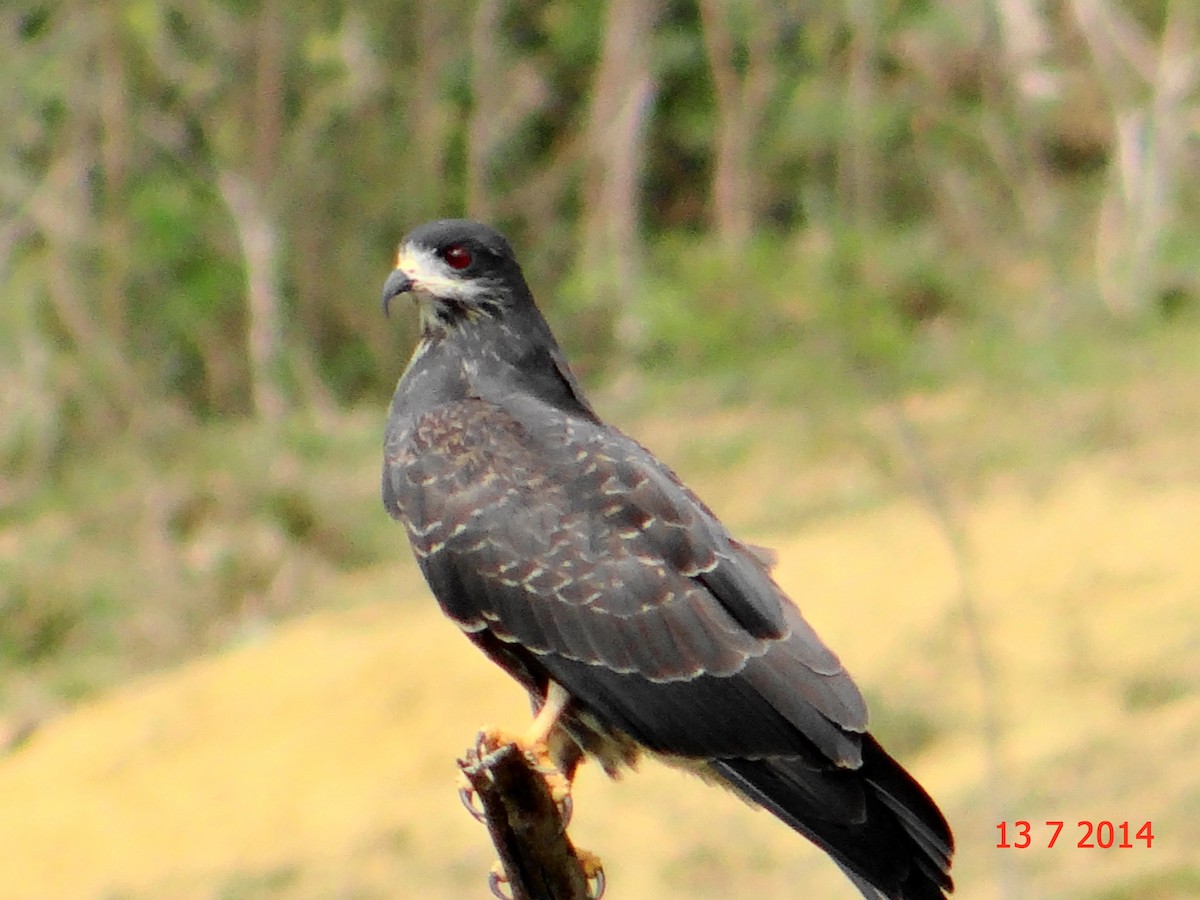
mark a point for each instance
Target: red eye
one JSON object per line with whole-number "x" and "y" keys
{"x": 456, "y": 256}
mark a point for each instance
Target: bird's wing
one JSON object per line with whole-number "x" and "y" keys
{"x": 567, "y": 538}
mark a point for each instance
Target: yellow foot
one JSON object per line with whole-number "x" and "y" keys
{"x": 491, "y": 739}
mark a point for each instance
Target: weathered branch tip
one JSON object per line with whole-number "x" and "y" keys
{"x": 526, "y": 825}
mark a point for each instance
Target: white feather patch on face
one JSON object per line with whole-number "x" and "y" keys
{"x": 433, "y": 279}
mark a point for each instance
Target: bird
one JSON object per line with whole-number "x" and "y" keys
{"x": 582, "y": 565}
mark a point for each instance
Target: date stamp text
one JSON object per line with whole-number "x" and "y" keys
{"x": 1086, "y": 835}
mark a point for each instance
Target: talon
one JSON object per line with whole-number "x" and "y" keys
{"x": 566, "y": 809}
{"x": 597, "y": 884}
{"x": 467, "y": 795}
{"x": 496, "y": 881}
{"x": 489, "y": 740}
{"x": 593, "y": 871}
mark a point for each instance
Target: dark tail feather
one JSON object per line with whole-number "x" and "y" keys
{"x": 885, "y": 832}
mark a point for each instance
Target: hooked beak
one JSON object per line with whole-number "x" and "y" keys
{"x": 397, "y": 283}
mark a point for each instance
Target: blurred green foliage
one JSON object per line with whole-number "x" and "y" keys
{"x": 899, "y": 167}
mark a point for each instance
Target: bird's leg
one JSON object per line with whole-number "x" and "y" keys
{"x": 536, "y": 744}
{"x": 538, "y": 732}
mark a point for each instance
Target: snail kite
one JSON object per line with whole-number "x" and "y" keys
{"x": 582, "y": 565}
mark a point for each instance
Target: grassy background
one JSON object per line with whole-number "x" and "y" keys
{"x": 907, "y": 290}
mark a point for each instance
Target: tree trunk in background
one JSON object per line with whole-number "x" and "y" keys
{"x": 268, "y": 94}
{"x": 66, "y": 217}
{"x": 505, "y": 90}
{"x": 1025, "y": 39}
{"x": 622, "y": 92}
{"x": 740, "y": 107}
{"x": 249, "y": 200}
{"x": 56, "y": 208}
{"x": 1016, "y": 85}
{"x": 858, "y": 165}
{"x": 487, "y": 89}
{"x": 259, "y": 242}
{"x": 429, "y": 115}
{"x": 1151, "y": 91}
{"x": 115, "y": 236}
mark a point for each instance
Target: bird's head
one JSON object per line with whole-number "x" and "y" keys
{"x": 457, "y": 270}
{"x": 476, "y": 307}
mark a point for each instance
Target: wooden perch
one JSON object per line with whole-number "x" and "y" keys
{"x": 526, "y": 826}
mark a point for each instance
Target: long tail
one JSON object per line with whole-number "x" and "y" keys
{"x": 876, "y": 822}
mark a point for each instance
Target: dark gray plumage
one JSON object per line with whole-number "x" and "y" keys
{"x": 571, "y": 555}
